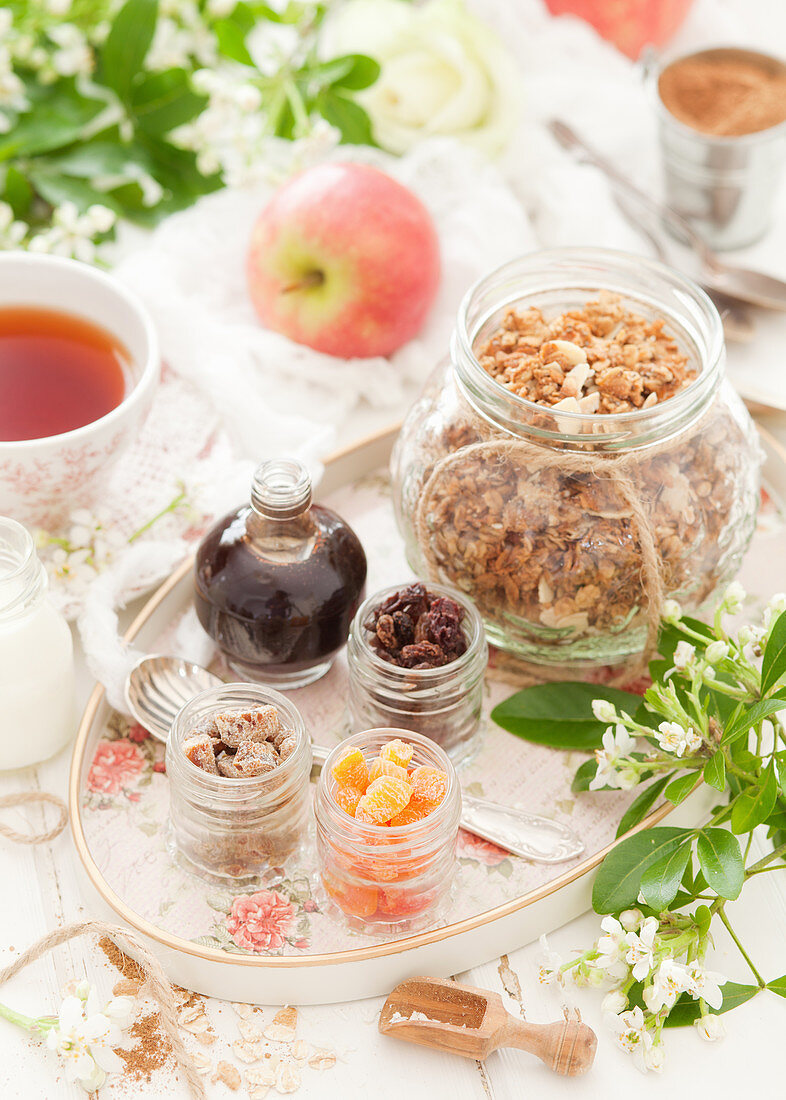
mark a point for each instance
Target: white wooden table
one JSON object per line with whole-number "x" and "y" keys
{"x": 40, "y": 891}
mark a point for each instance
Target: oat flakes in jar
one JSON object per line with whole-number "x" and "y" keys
{"x": 579, "y": 459}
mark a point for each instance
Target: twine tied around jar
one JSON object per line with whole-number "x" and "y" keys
{"x": 614, "y": 468}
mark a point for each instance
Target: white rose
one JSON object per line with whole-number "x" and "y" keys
{"x": 443, "y": 71}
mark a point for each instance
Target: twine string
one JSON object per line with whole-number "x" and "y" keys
{"x": 26, "y": 798}
{"x": 158, "y": 985}
{"x": 617, "y": 469}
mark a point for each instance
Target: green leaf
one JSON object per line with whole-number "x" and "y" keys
{"x": 679, "y": 789}
{"x": 714, "y": 773}
{"x": 721, "y": 861}
{"x": 641, "y": 806}
{"x": 232, "y": 41}
{"x": 59, "y": 116}
{"x": 670, "y": 636}
{"x": 661, "y": 881}
{"x": 585, "y": 773}
{"x": 773, "y": 664}
{"x": 780, "y": 766}
{"x": 347, "y": 116}
{"x": 687, "y": 1011}
{"x": 56, "y": 188}
{"x": 744, "y": 719}
{"x": 16, "y": 190}
{"x": 778, "y": 985}
{"x": 755, "y": 806}
{"x": 560, "y": 714}
{"x": 360, "y": 72}
{"x": 164, "y": 100}
{"x": 98, "y": 158}
{"x": 127, "y": 43}
{"x": 618, "y": 879}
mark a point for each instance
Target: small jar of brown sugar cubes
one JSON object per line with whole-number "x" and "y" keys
{"x": 239, "y": 760}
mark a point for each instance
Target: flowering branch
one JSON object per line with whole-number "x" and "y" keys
{"x": 710, "y": 717}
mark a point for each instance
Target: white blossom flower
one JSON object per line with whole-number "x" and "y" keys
{"x": 611, "y": 950}
{"x": 751, "y": 637}
{"x": 733, "y": 598}
{"x": 84, "y": 1037}
{"x": 705, "y": 984}
{"x": 675, "y": 739}
{"x": 221, "y": 8}
{"x": 630, "y": 919}
{"x": 12, "y": 232}
{"x": 640, "y": 955}
{"x": 58, "y": 7}
{"x": 775, "y": 608}
{"x": 74, "y": 55}
{"x": 672, "y": 612}
{"x": 671, "y": 980}
{"x": 613, "y": 1003}
{"x": 604, "y": 711}
{"x": 654, "y": 1057}
{"x": 72, "y": 233}
{"x": 632, "y": 1035}
{"x": 549, "y": 972}
{"x": 617, "y": 743}
{"x": 684, "y": 655}
{"x": 710, "y": 1027}
{"x": 716, "y": 651}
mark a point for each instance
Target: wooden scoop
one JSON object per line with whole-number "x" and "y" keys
{"x": 461, "y": 1019}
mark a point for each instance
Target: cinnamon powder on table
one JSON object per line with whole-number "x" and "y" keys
{"x": 725, "y": 94}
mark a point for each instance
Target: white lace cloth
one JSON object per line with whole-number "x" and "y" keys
{"x": 235, "y": 393}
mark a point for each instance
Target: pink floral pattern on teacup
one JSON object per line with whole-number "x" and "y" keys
{"x": 260, "y": 922}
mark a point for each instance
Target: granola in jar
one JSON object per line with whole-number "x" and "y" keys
{"x": 238, "y": 760}
{"x": 580, "y": 459}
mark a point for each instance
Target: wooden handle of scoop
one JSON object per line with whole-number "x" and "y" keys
{"x": 566, "y": 1046}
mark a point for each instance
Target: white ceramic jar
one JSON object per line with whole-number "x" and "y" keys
{"x": 37, "y": 700}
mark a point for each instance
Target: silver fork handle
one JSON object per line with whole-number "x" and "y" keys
{"x": 523, "y": 834}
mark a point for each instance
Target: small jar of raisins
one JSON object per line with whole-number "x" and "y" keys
{"x": 417, "y": 655}
{"x": 238, "y": 758}
{"x": 388, "y": 877}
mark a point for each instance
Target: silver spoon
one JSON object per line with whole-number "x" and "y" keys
{"x": 736, "y": 282}
{"x": 157, "y": 687}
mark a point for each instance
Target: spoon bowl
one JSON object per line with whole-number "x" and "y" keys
{"x": 158, "y": 686}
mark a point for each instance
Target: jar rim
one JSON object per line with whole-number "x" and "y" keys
{"x": 357, "y": 831}
{"x": 574, "y": 260}
{"x": 475, "y": 636}
{"x": 245, "y": 784}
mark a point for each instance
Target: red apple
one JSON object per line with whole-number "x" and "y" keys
{"x": 629, "y": 24}
{"x": 345, "y": 260}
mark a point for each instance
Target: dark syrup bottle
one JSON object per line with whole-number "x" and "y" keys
{"x": 277, "y": 582}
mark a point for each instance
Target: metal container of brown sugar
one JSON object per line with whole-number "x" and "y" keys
{"x": 722, "y": 125}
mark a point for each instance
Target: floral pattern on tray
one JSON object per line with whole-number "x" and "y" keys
{"x": 125, "y": 792}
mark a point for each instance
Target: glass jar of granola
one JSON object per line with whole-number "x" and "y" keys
{"x": 420, "y": 685}
{"x": 381, "y": 875}
{"x": 238, "y": 758}
{"x": 580, "y": 458}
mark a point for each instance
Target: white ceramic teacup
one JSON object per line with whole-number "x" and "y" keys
{"x": 42, "y": 480}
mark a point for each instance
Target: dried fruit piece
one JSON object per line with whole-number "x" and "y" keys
{"x": 380, "y": 766}
{"x": 384, "y": 798}
{"x": 410, "y": 814}
{"x": 226, "y": 766}
{"x": 199, "y": 750}
{"x": 397, "y": 751}
{"x": 429, "y": 786}
{"x": 356, "y": 900}
{"x": 287, "y": 746}
{"x": 255, "y": 758}
{"x": 351, "y": 769}
{"x": 347, "y": 798}
{"x": 260, "y": 724}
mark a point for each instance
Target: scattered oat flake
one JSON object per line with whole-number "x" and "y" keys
{"x": 247, "y": 1052}
{"x": 194, "y": 1020}
{"x": 284, "y": 1025}
{"x": 322, "y": 1059}
{"x": 287, "y": 1078}
{"x": 227, "y": 1073}
{"x": 300, "y": 1050}
{"x": 202, "y": 1062}
{"x": 258, "y": 1082}
{"x": 242, "y": 1010}
{"x": 206, "y": 1038}
{"x": 126, "y": 987}
{"x": 250, "y": 1032}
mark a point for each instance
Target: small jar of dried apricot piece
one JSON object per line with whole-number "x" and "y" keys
{"x": 238, "y": 759}
{"x": 387, "y": 809}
